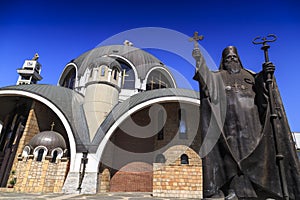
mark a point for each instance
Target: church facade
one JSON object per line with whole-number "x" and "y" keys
{"x": 116, "y": 122}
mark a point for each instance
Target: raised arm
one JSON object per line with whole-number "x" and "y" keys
{"x": 203, "y": 75}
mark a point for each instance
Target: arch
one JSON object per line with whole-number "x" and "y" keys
{"x": 39, "y": 153}
{"x": 56, "y": 154}
{"x": 184, "y": 159}
{"x": 174, "y": 153}
{"x": 122, "y": 118}
{"x": 57, "y": 111}
{"x": 160, "y": 158}
{"x": 165, "y": 73}
{"x": 126, "y": 61}
{"x": 26, "y": 151}
{"x": 115, "y": 72}
{"x": 102, "y": 70}
{"x": 68, "y": 77}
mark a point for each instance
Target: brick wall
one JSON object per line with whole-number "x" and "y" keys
{"x": 134, "y": 177}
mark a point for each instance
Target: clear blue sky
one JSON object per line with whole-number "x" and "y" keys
{"x": 62, "y": 30}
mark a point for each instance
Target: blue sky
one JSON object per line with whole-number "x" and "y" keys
{"x": 62, "y": 30}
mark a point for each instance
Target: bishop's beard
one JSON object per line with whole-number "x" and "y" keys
{"x": 233, "y": 67}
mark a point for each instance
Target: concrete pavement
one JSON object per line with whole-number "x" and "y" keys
{"x": 106, "y": 196}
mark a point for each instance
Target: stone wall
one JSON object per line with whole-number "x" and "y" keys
{"x": 104, "y": 183}
{"x": 173, "y": 179}
{"x": 45, "y": 176}
{"x": 31, "y": 129}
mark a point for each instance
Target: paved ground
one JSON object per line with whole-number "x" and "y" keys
{"x": 107, "y": 196}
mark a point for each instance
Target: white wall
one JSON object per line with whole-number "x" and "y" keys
{"x": 297, "y": 139}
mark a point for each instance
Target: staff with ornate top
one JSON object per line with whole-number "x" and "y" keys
{"x": 270, "y": 68}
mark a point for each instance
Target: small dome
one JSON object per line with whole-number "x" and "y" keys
{"x": 49, "y": 139}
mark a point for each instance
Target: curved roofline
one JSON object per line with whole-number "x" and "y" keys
{"x": 134, "y": 109}
{"x": 65, "y": 72}
{"x": 165, "y": 70}
{"x": 136, "y": 84}
{"x": 141, "y": 57}
{"x": 57, "y": 111}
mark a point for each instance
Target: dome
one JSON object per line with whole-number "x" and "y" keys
{"x": 109, "y": 62}
{"x": 49, "y": 139}
{"x": 142, "y": 61}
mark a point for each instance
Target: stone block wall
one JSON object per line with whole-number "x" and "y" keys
{"x": 104, "y": 184}
{"x": 30, "y": 130}
{"x": 33, "y": 176}
{"x": 173, "y": 179}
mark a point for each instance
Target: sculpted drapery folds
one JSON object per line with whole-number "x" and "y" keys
{"x": 238, "y": 148}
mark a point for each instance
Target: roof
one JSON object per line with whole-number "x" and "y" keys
{"x": 142, "y": 60}
{"x": 67, "y": 101}
{"x": 48, "y": 139}
{"x": 61, "y": 97}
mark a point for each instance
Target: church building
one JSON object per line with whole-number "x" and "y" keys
{"x": 115, "y": 122}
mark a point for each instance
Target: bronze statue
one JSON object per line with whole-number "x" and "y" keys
{"x": 240, "y": 155}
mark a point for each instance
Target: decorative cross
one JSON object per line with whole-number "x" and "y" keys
{"x": 124, "y": 76}
{"x": 52, "y": 125}
{"x": 236, "y": 85}
{"x": 152, "y": 83}
{"x": 160, "y": 82}
{"x": 196, "y": 38}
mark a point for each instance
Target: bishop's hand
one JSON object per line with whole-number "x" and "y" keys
{"x": 197, "y": 54}
{"x": 268, "y": 68}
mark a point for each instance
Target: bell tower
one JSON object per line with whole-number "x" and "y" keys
{"x": 30, "y": 72}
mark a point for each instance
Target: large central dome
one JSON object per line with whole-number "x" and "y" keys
{"x": 138, "y": 70}
{"x": 142, "y": 60}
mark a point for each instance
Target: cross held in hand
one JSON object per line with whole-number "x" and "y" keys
{"x": 196, "y": 38}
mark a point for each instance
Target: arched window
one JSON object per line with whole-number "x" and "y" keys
{"x": 56, "y": 154}
{"x": 40, "y": 155}
{"x": 69, "y": 80}
{"x": 102, "y": 71}
{"x": 182, "y": 124}
{"x": 128, "y": 75}
{"x": 184, "y": 159}
{"x": 160, "y": 134}
{"x": 53, "y": 160}
{"x": 115, "y": 71}
{"x": 160, "y": 158}
{"x": 26, "y": 151}
{"x": 157, "y": 80}
{"x": 91, "y": 72}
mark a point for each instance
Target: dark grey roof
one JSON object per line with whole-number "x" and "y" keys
{"x": 68, "y": 102}
{"x": 142, "y": 60}
{"x": 110, "y": 62}
{"x": 134, "y": 100}
{"x": 74, "y": 112}
{"x": 49, "y": 139}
